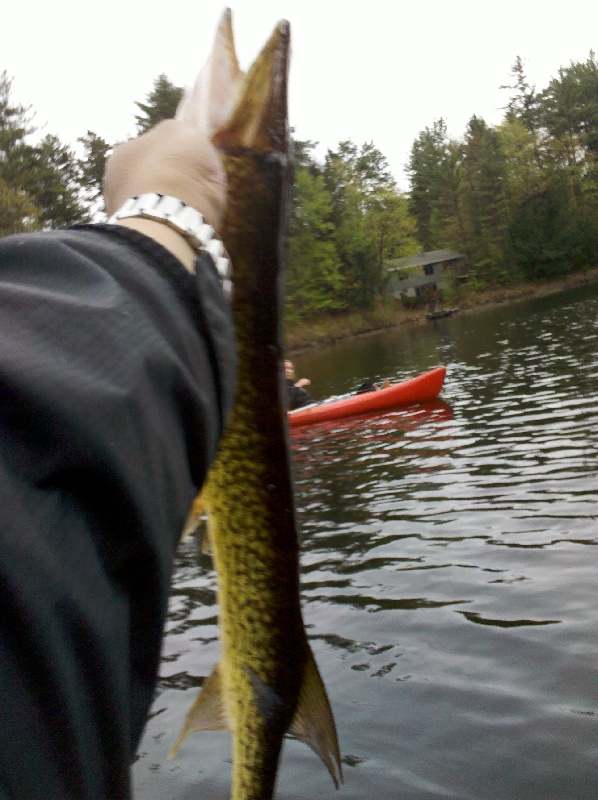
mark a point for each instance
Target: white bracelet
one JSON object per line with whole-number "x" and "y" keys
{"x": 185, "y": 220}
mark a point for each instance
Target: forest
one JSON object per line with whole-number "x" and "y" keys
{"x": 519, "y": 200}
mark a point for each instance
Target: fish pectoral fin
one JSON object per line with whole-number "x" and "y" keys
{"x": 313, "y": 722}
{"x": 194, "y": 517}
{"x": 207, "y": 537}
{"x": 193, "y": 525}
{"x": 208, "y": 712}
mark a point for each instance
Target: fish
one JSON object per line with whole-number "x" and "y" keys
{"x": 267, "y": 683}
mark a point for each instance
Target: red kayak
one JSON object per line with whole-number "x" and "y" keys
{"x": 414, "y": 390}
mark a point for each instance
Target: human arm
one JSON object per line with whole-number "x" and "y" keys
{"x": 116, "y": 375}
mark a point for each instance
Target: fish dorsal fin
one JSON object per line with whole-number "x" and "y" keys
{"x": 212, "y": 98}
{"x": 313, "y": 722}
{"x": 208, "y": 712}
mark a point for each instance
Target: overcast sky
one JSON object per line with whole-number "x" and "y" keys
{"x": 370, "y": 71}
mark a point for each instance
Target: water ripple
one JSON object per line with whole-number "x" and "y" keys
{"x": 449, "y": 573}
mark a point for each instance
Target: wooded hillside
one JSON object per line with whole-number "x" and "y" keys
{"x": 519, "y": 200}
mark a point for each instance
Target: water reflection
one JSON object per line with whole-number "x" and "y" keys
{"x": 449, "y": 573}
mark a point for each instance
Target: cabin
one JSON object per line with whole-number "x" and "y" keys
{"x": 425, "y": 273}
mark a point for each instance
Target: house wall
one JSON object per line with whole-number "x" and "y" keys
{"x": 417, "y": 280}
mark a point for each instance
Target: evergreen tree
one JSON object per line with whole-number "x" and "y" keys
{"x": 483, "y": 203}
{"x": 569, "y": 110}
{"x": 361, "y": 268}
{"x": 524, "y": 106}
{"x": 524, "y": 102}
{"x": 50, "y": 175}
{"x": 545, "y": 237}
{"x": 15, "y": 124}
{"x": 524, "y": 176}
{"x": 42, "y": 179}
{"x": 161, "y": 103}
{"x": 433, "y": 170}
{"x": 18, "y": 213}
{"x": 91, "y": 170}
{"x": 314, "y": 281}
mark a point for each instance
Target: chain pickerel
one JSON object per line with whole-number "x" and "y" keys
{"x": 267, "y": 682}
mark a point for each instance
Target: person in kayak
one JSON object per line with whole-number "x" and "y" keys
{"x": 297, "y": 395}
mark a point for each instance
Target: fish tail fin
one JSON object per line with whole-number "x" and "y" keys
{"x": 211, "y": 99}
{"x": 313, "y": 722}
{"x": 259, "y": 120}
{"x": 208, "y": 712}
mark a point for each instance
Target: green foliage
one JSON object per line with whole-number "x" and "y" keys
{"x": 15, "y": 124}
{"x": 483, "y": 204}
{"x": 392, "y": 227}
{"x": 17, "y": 209}
{"x": 161, "y": 103}
{"x": 548, "y": 239}
{"x": 18, "y": 213}
{"x": 524, "y": 176}
{"x": 371, "y": 219}
{"x": 569, "y": 109}
{"x": 44, "y": 184}
{"x": 52, "y": 179}
{"x": 42, "y": 179}
{"x": 417, "y": 301}
{"x": 523, "y": 104}
{"x": 314, "y": 281}
{"x": 361, "y": 268}
{"x": 91, "y": 168}
{"x": 433, "y": 168}
{"x": 519, "y": 200}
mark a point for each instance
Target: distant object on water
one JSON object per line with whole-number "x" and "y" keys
{"x": 438, "y": 313}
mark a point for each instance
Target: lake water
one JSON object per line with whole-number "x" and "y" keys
{"x": 450, "y": 574}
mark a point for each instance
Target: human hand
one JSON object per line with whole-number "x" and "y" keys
{"x": 172, "y": 158}
{"x": 303, "y": 382}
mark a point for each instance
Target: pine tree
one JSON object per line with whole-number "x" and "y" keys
{"x": 483, "y": 203}
{"x": 18, "y": 213}
{"x": 91, "y": 170}
{"x": 161, "y": 103}
{"x": 434, "y": 168}
{"x": 51, "y": 177}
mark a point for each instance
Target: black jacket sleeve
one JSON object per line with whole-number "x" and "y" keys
{"x": 116, "y": 374}
{"x": 297, "y": 396}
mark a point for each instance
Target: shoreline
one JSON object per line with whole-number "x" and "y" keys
{"x": 311, "y": 335}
